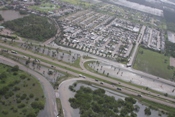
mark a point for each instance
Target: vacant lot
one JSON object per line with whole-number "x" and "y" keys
{"x": 20, "y": 94}
{"x": 153, "y": 63}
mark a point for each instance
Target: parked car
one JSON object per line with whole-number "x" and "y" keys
{"x": 119, "y": 89}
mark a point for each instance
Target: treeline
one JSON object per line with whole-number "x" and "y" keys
{"x": 169, "y": 17}
{"x": 170, "y": 48}
{"x": 97, "y": 104}
{"x": 33, "y": 27}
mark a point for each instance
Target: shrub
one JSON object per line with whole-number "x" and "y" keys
{"x": 3, "y": 75}
{"x": 15, "y": 73}
{"x": 17, "y": 95}
{"x": 15, "y": 68}
{"x": 23, "y": 76}
{"x": 12, "y": 108}
{"x": 18, "y": 101}
{"x": 16, "y": 88}
{"x": 31, "y": 114}
{"x": 15, "y": 110}
{"x": 24, "y": 110}
{"x": 5, "y": 112}
{"x": 31, "y": 95}
{"x": 23, "y": 96}
{"x": 21, "y": 105}
{"x": 166, "y": 94}
{"x": 147, "y": 111}
{"x": 37, "y": 105}
{"x": 3, "y": 90}
{"x": 130, "y": 100}
{"x": 17, "y": 81}
{"x": 36, "y": 99}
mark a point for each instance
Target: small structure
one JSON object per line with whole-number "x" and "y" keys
{"x": 1, "y": 28}
{"x": 171, "y": 37}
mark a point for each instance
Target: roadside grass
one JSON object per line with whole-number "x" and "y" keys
{"x": 76, "y": 63}
{"x": 59, "y": 107}
{"x": 87, "y": 57}
{"x": 28, "y": 85}
{"x": 153, "y": 63}
{"x": 156, "y": 106}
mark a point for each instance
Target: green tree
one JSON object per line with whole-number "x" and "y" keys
{"x": 147, "y": 111}
{"x": 15, "y": 68}
{"x": 3, "y": 75}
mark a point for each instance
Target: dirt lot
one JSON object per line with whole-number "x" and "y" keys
{"x": 172, "y": 61}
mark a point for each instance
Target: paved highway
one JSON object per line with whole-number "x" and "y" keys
{"x": 99, "y": 76}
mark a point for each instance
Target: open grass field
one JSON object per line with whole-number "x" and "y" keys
{"x": 21, "y": 95}
{"x": 153, "y": 63}
{"x": 78, "y": 2}
{"x": 45, "y": 7}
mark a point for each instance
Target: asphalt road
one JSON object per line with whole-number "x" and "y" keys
{"x": 139, "y": 39}
{"x": 64, "y": 95}
{"x": 50, "y": 109}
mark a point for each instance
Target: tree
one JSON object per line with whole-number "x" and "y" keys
{"x": 147, "y": 111}
{"x": 130, "y": 100}
{"x": 37, "y": 105}
{"x": 3, "y": 75}
{"x": 31, "y": 114}
{"x": 15, "y": 68}
{"x": 27, "y": 62}
{"x": 136, "y": 108}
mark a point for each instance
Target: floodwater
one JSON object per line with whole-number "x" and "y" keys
{"x": 117, "y": 96}
{"x": 10, "y": 15}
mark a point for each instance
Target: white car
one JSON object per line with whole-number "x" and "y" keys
{"x": 24, "y": 56}
{"x": 80, "y": 75}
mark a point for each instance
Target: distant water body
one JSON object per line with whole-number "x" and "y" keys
{"x": 10, "y": 15}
